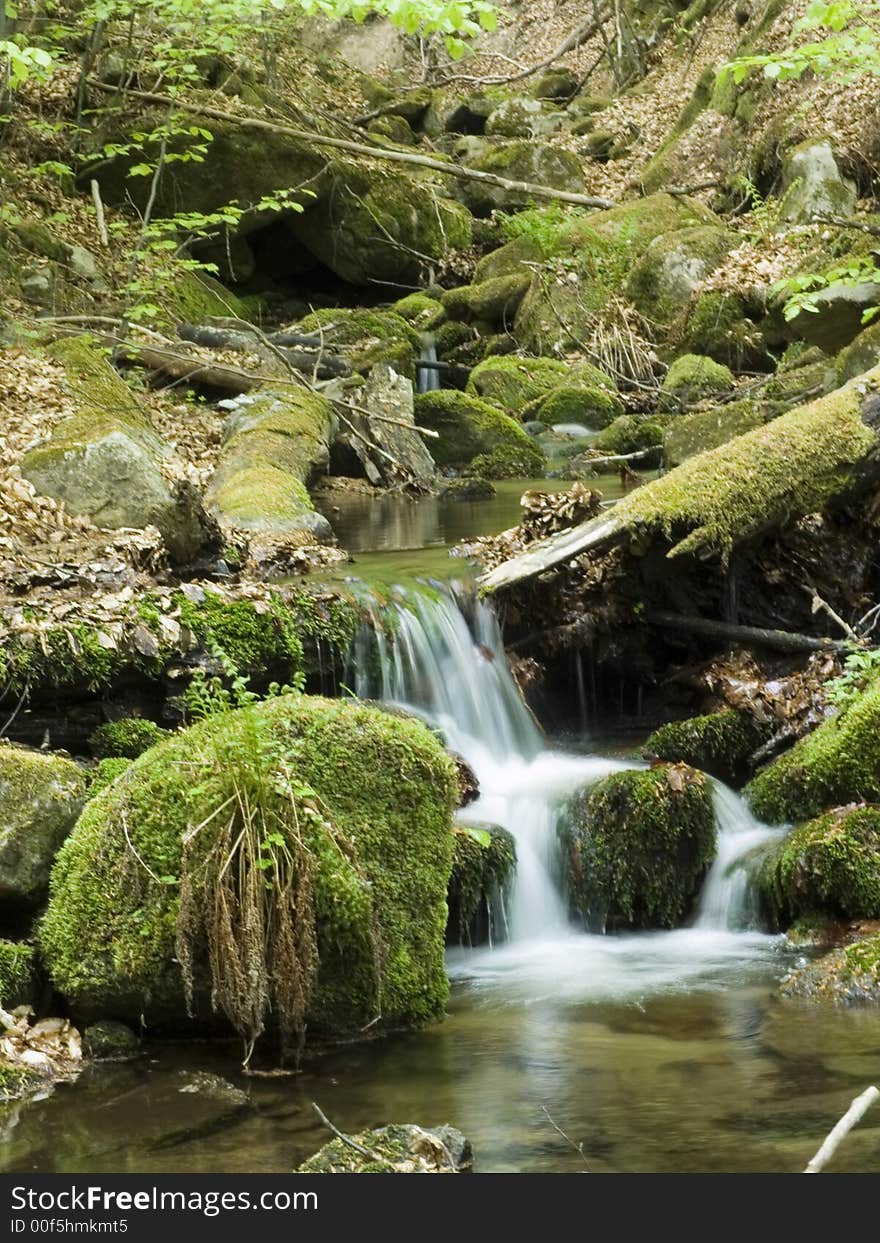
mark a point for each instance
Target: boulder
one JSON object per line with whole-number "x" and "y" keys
{"x": 827, "y": 867}
{"x": 41, "y": 796}
{"x": 520, "y": 160}
{"x": 839, "y": 315}
{"x": 719, "y": 324}
{"x": 509, "y": 259}
{"x": 452, "y": 112}
{"x": 522, "y": 385}
{"x": 361, "y": 803}
{"x": 398, "y": 1149}
{"x": 469, "y": 427}
{"x": 861, "y": 355}
{"x": 388, "y": 446}
{"x": 17, "y": 974}
{"x": 558, "y": 84}
{"x": 693, "y": 378}
{"x": 813, "y": 186}
{"x": 523, "y": 117}
{"x": 672, "y": 267}
{"x": 105, "y": 460}
{"x": 707, "y": 429}
{"x": 110, "y": 1041}
{"x": 493, "y": 301}
{"x": 368, "y": 337}
{"x": 421, "y": 311}
{"x": 720, "y": 743}
{"x": 845, "y": 977}
{"x": 638, "y": 844}
{"x": 126, "y": 738}
{"x": 483, "y": 866}
{"x": 628, "y": 434}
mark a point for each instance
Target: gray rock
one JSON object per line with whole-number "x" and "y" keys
{"x": 41, "y": 796}
{"x": 520, "y": 160}
{"x": 525, "y": 118}
{"x": 838, "y": 318}
{"x": 398, "y": 1149}
{"x": 861, "y": 355}
{"x": 84, "y": 265}
{"x": 813, "y": 186}
{"x": 37, "y": 288}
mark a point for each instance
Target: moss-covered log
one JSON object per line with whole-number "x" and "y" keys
{"x": 376, "y": 847}
{"x": 821, "y": 453}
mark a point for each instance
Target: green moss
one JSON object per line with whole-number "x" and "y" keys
{"x": 17, "y": 1081}
{"x": 689, "y": 434}
{"x": 535, "y": 162}
{"x": 40, "y": 798}
{"x": 396, "y": 1149}
{"x": 845, "y": 977}
{"x": 254, "y": 640}
{"x": 384, "y": 782}
{"x": 105, "y": 773}
{"x": 638, "y": 845}
{"x": 593, "y": 405}
{"x": 495, "y": 300}
{"x": 663, "y": 279}
{"x": 830, "y": 867}
{"x": 106, "y": 403}
{"x": 125, "y": 739}
{"x": 468, "y": 426}
{"x": 720, "y": 743}
{"x": 483, "y": 865}
{"x": 694, "y": 377}
{"x": 17, "y": 968}
{"x": 726, "y": 495}
{"x": 628, "y": 434}
{"x": 510, "y": 259}
{"x": 370, "y": 337}
{"x": 195, "y": 297}
{"x": 421, "y": 311}
{"x": 509, "y": 462}
{"x": 719, "y": 327}
{"x": 514, "y": 383}
{"x": 635, "y": 224}
{"x": 838, "y": 763}
{"x": 861, "y": 355}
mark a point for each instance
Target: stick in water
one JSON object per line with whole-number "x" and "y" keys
{"x": 854, "y": 1114}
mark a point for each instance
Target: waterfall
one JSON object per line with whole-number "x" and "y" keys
{"x": 440, "y": 655}
{"x": 427, "y": 378}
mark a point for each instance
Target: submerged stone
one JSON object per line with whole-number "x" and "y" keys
{"x": 402, "y": 1148}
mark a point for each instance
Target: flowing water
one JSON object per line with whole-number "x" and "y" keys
{"x": 661, "y": 1052}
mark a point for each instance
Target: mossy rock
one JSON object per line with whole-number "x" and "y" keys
{"x": 509, "y": 260}
{"x": 634, "y": 225}
{"x": 273, "y": 446}
{"x": 468, "y": 427}
{"x": 693, "y": 378}
{"x": 828, "y": 867}
{"x": 483, "y": 866}
{"x": 397, "y": 129}
{"x": 522, "y": 117}
{"x": 105, "y": 773}
{"x": 720, "y": 743}
{"x": 17, "y": 974}
{"x": 638, "y": 845}
{"x": 558, "y": 84}
{"x": 845, "y": 977}
{"x": 813, "y": 185}
{"x": 398, "y": 1149}
{"x": 381, "y": 849}
{"x": 533, "y": 162}
{"x": 41, "y": 796}
{"x": 592, "y": 405}
{"x": 125, "y": 739}
{"x": 861, "y": 355}
{"x": 495, "y": 300}
{"x": 629, "y": 434}
{"x": 109, "y": 1041}
{"x": 420, "y": 311}
{"x": 509, "y": 462}
{"x": 672, "y": 267}
{"x": 796, "y": 385}
{"x": 719, "y": 326}
{"x": 196, "y": 298}
{"x": 17, "y": 1081}
{"x": 514, "y": 383}
{"x": 689, "y": 434}
{"x": 369, "y": 337}
{"x": 836, "y": 764}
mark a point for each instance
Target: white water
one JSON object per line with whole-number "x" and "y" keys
{"x": 427, "y": 378}
{"x": 446, "y": 662}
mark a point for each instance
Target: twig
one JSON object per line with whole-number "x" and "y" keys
{"x": 820, "y": 605}
{"x": 99, "y": 213}
{"x": 579, "y": 1148}
{"x": 853, "y": 1115}
{"x": 346, "y": 1139}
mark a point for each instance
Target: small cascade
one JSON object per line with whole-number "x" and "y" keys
{"x": 427, "y": 377}
{"x": 726, "y": 902}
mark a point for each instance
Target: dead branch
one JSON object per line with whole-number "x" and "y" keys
{"x": 853, "y": 1115}
{"x": 758, "y": 636}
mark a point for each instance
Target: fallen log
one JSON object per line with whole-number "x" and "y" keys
{"x": 750, "y": 636}
{"x": 827, "y": 451}
{"x": 458, "y": 171}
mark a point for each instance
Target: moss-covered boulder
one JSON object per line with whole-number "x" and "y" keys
{"x": 720, "y": 325}
{"x": 861, "y": 355}
{"x": 812, "y": 184}
{"x": 421, "y": 311}
{"x": 629, "y": 434}
{"x": 399, "y": 1149}
{"x": 522, "y": 161}
{"x": 720, "y": 743}
{"x": 17, "y": 974}
{"x": 483, "y": 866}
{"x": 494, "y": 301}
{"x": 369, "y": 337}
{"x": 693, "y": 378}
{"x": 468, "y": 427}
{"x": 836, "y": 764}
{"x": 353, "y": 806}
{"x": 845, "y": 977}
{"x": 509, "y": 259}
{"x": 105, "y": 460}
{"x": 125, "y": 739}
{"x": 707, "y": 429}
{"x": 274, "y": 445}
{"x": 41, "y": 796}
{"x": 521, "y": 385}
{"x": 592, "y": 401}
{"x": 638, "y": 845}
{"x": 110, "y": 1041}
{"x": 522, "y": 117}
{"x": 672, "y": 267}
{"x": 827, "y": 867}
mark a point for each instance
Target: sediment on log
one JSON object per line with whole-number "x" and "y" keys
{"x": 824, "y": 453}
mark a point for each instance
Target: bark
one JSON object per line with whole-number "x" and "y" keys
{"x": 749, "y": 636}
{"x": 822, "y": 454}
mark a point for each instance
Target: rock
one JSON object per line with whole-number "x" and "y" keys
{"x": 689, "y": 434}
{"x": 470, "y": 427}
{"x": 600, "y": 143}
{"x": 638, "y": 845}
{"x": 109, "y": 1041}
{"x": 483, "y": 866}
{"x": 521, "y": 160}
{"x": 467, "y": 490}
{"x": 720, "y": 743}
{"x": 718, "y": 324}
{"x": 397, "y": 129}
{"x": 845, "y": 977}
{"x": 628, "y": 434}
{"x": 836, "y": 764}
{"x": 17, "y": 974}
{"x": 839, "y": 315}
{"x": 85, "y": 266}
{"x": 380, "y": 854}
{"x": 861, "y": 355}
{"x": 37, "y": 287}
{"x": 509, "y": 259}
{"x": 105, "y": 460}
{"x": 421, "y": 311}
{"x": 494, "y": 301}
{"x": 398, "y": 1149}
{"x": 813, "y": 186}
{"x": 793, "y": 386}
{"x": 400, "y": 455}
{"x": 41, "y": 796}
{"x": 368, "y": 337}
{"x": 274, "y": 444}
{"x": 522, "y": 117}
{"x": 592, "y": 405}
{"x": 213, "y": 1088}
{"x": 557, "y": 84}
{"x": 521, "y": 386}
{"x": 828, "y": 867}
{"x": 126, "y": 738}
{"x": 451, "y": 112}
{"x": 672, "y": 267}
{"x": 693, "y": 378}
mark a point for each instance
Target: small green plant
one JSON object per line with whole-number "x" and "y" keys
{"x": 860, "y": 669}
{"x": 767, "y": 214}
{"x": 849, "y": 48}
{"x": 547, "y": 226}
{"x": 804, "y": 291}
